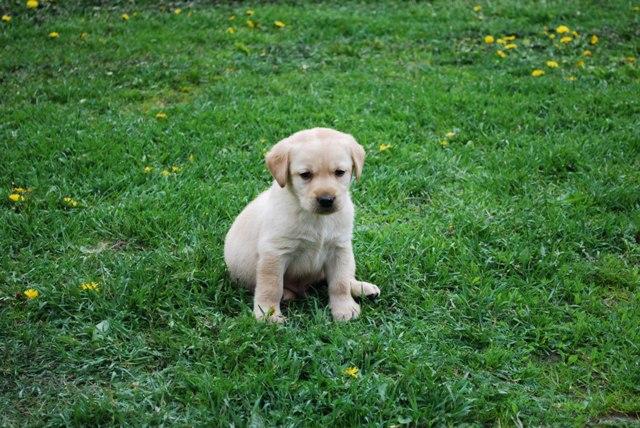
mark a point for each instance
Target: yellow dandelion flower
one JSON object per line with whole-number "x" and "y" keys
{"x": 450, "y": 134}
{"x": 575, "y": 33}
{"x": 630, "y": 59}
{"x": 15, "y": 197}
{"x": 552, "y": 64}
{"x": 251, "y": 23}
{"x": 161, "y": 115}
{"x": 561, "y": 29}
{"x": 566, "y": 39}
{"x": 537, "y": 72}
{"x": 165, "y": 173}
{"x": 6, "y": 18}
{"x": 20, "y": 190}
{"x": 90, "y": 286}
{"x": 444, "y": 143}
{"x": 70, "y": 202}
{"x": 509, "y": 38}
{"x": 384, "y": 147}
{"x": 148, "y": 169}
{"x": 580, "y": 64}
{"x": 177, "y": 11}
{"x": 587, "y": 53}
{"x": 231, "y": 30}
{"x": 125, "y": 17}
{"x": 279, "y": 24}
{"x": 31, "y": 293}
{"x": 489, "y": 39}
{"x": 54, "y": 34}
{"x": 594, "y": 40}
{"x": 501, "y": 41}
{"x": 511, "y": 46}
{"x": 477, "y": 8}
{"x": 351, "y": 372}
{"x": 32, "y": 4}
{"x": 242, "y": 48}
{"x": 176, "y": 169}
{"x": 501, "y": 54}
{"x": 250, "y": 12}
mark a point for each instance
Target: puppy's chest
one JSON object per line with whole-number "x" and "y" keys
{"x": 312, "y": 250}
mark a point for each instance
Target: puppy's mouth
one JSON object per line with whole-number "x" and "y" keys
{"x": 325, "y": 210}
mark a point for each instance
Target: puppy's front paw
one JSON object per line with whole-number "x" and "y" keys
{"x": 364, "y": 289}
{"x": 345, "y": 309}
{"x": 276, "y": 319}
{"x": 270, "y": 315}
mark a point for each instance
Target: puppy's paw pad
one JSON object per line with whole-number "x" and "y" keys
{"x": 345, "y": 310}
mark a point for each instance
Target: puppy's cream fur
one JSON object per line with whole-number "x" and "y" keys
{"x": 285, "y": 239}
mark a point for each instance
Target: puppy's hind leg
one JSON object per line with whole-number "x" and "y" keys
{"x": 288, "y": 295}
{"x": 297, "y": 288}
{"x": 360, "y": 289}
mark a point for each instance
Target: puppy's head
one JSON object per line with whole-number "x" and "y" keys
{"x": 317, "y": 166}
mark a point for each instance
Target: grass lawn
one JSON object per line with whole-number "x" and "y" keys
{"x": 500, "y": 217}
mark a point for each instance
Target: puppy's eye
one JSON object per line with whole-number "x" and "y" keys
{"x": 306, "y": 176}
{"x": 340, "y": 172}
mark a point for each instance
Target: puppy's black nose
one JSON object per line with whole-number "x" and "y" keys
{"x": 326, "y": 201}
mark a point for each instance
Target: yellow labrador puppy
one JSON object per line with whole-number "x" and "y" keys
{"x": 298, "y": 232}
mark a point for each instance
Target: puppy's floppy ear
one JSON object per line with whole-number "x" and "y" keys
{"x": 357, "y": 157}
{"x": 278, "y": 162}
